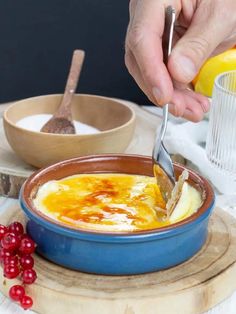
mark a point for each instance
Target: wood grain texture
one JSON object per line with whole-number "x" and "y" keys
{"x": 42, "y": 149}
{"x": 13, "y": 171}
{"x": 190, "y": 288}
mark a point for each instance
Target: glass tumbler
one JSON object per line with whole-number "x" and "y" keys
{"x": 221, "y": 138}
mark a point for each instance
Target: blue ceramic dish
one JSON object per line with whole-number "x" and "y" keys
{"x": 114, "y": 253}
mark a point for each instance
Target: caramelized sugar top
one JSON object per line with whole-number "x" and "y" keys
{"x": 108, "y": 202}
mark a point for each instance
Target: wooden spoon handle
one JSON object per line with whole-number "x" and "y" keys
{"x": 71, "y": 84}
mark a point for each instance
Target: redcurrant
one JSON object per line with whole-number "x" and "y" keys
{"x": 25, "y": 236}
{"x": 11, "y": 260}
{"x": 16, "y": 228}
{"x": 27, "y": 261}
{"x": 27, "y": 246}
{"x": 3, "y": 231}
{"x": 4, "y": 253}
{"x": 16, "y": 292}
{"x": 10, "y": 241}
{"x": 29, "y": 276}
{"x": 15, "y": 250}
{"x": 11, "y": 271}
{"x": 26, "y": 302}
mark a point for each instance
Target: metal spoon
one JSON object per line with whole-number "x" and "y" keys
{"x": 162, "y": 163}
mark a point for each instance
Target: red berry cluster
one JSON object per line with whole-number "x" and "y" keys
{"x": 16, "y": 248}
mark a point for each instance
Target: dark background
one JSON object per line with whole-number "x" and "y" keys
{"x": 37, "y": 39}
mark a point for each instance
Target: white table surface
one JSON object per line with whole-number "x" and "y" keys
{"x": 228, "y": 306}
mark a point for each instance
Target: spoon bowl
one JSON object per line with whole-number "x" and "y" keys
{"x": 60, "y": 125}
{"x": 61, "y": 121}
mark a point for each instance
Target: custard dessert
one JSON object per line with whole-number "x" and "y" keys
{"x": 112, "y": 202}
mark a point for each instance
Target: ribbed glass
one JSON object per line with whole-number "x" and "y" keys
{"x": 221, "y": 139}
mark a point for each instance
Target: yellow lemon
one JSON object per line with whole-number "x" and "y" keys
{"x": 204, "y": 81}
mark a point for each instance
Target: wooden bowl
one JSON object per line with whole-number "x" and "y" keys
{"x": 115, "y": 120}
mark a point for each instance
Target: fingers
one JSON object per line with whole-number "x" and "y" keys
{"x": 185, "y": 103}
{"x": 144, "y": 40}
{"x": 189, "y": 105}
{"x": 137, "y": 75}
{"x": 200, "y": 40}
{"x": 194, "y": 110}
{"x": 202, "y": 100}
{"x": 144, "y": 57}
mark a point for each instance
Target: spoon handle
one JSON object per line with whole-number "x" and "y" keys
{"x": 167, "y": 46}
{"x": 71, "y": 84}
{"x": 163, "y": 167}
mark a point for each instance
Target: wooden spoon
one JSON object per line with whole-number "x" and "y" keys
{"x": 62, "y": 122}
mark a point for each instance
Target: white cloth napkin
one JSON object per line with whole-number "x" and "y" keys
{"x": 188, "y": 139}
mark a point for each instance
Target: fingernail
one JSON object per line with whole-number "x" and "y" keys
{"x": 187, "y": 67}
{"x": 157, "y": 94}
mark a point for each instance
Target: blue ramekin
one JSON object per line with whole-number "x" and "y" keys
{"x": 114, "y": 253}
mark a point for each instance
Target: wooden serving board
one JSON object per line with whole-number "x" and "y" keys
{"x": 13, "y": 171}
{"x": 190, "y": 288}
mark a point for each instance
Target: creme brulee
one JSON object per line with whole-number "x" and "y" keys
{"x": 111, "y": 202}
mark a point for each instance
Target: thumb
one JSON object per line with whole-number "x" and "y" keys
{"x": 204, "y": 34}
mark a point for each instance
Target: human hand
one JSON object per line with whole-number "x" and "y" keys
{"x": 203, "y": 28}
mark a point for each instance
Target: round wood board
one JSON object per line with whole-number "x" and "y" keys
{"x": 13, "y": 171}
{"x": 190, "y": 288}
